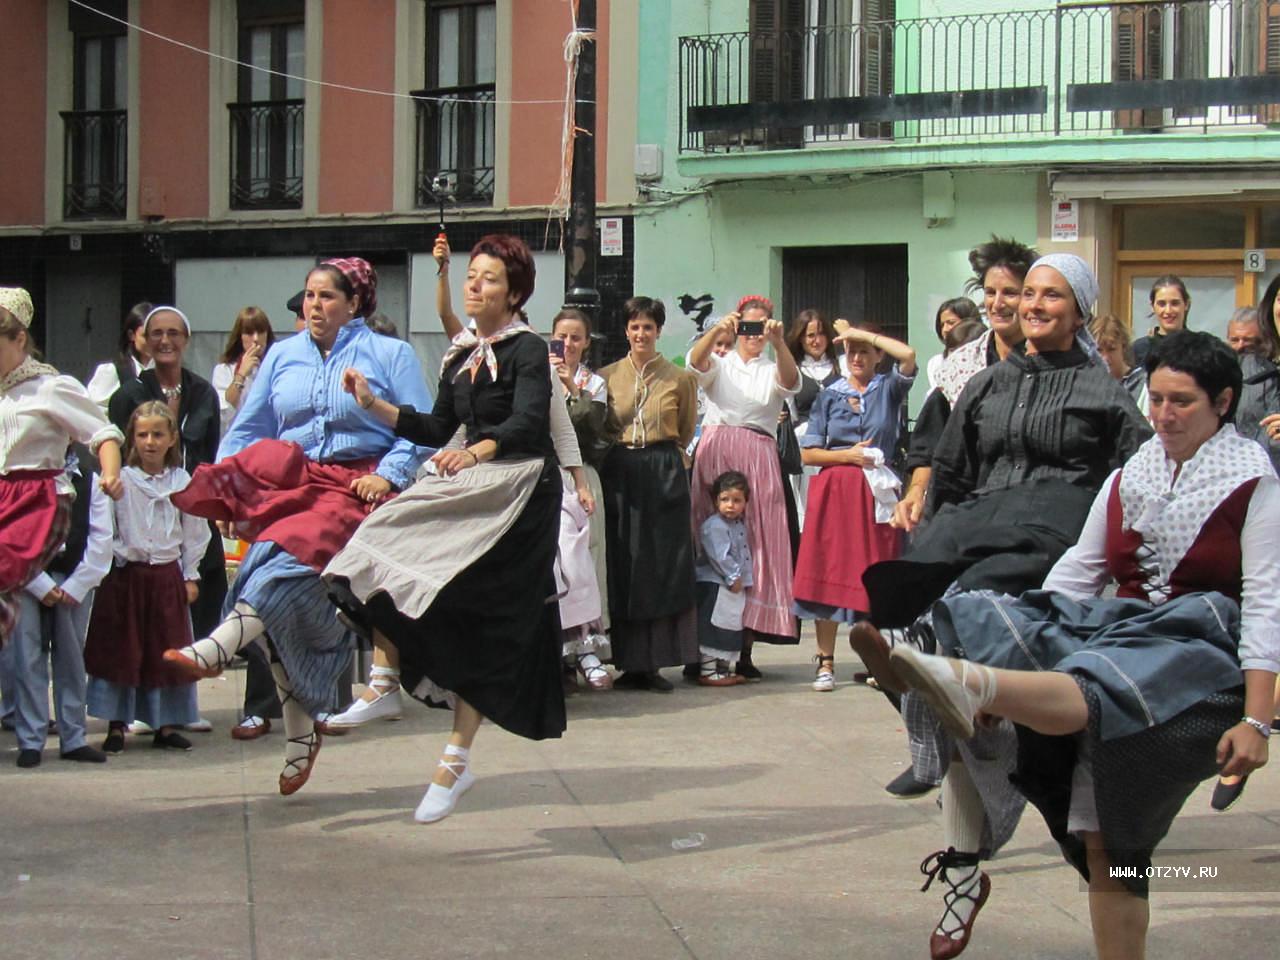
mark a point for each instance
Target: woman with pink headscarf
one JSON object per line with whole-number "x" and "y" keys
{"x": 299, "y": 469}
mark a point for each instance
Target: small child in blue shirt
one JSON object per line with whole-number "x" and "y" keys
{"x": 723, "y": 573}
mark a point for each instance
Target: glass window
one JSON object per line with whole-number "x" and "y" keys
{"x": 1269, "y": 229}
{"x": 1178, "y": 227}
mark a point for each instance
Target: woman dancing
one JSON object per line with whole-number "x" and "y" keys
{"x": 470, "y": 618}
{"x": 1134, "y": 699}
{"x": 300, "y": 468}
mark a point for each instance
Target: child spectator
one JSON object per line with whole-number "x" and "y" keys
{"x": 52, "y": 622}
{"x": 141, "y": 609}
{"x": 723, "y": 572}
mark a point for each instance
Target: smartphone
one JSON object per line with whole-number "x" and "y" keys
{"x": 556, "y": 348}
{"x": 751, "y": 328}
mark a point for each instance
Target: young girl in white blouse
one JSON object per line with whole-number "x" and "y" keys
{"x": 141, "y": 607}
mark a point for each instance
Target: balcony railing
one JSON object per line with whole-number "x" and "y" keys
{"x": 266, "y": 155}
{"x": 1073, "y": 70}
{"x": 454, "y": 138}
{"x": 94, "y": 164}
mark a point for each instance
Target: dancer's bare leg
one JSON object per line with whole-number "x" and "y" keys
{"x": 1119, "y": 917}
{"x": 466, "y": 721}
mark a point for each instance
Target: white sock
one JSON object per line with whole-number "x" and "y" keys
{"x": 963, "y": 817}
{"x": 298, "y": 724}
{"x": 241, "y": 627}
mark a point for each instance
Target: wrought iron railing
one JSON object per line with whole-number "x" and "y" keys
{"x": 455, "y": 141}
{"x": 1075, "y": 69}
{"x": 266, "y": 155}
{"x": 94, "y": 164}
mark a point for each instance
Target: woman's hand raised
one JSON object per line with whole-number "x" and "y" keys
{"x": 354, "y": 382}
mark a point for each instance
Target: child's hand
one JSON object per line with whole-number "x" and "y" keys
{"x": 54, "y": 597}
{"x": 193, "y": 591}
{"x": 736, "y": 586}
{"x": 111, "y": 485}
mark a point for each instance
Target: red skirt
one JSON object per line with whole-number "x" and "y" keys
{"x": 139, "y": 612}
{"x": 34, "y": 522}
{"x": 272, "y": 492}
{"x": 841, "y": 539}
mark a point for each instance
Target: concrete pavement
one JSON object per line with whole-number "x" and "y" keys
{"x": 713, "y": 824}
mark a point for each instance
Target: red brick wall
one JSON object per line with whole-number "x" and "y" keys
{"x": 23, "y": 48}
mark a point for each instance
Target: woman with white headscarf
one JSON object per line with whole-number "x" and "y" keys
{"x": 1028, "y": 445}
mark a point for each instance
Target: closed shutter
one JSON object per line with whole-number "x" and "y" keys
{"x": 1136, "y": 55}
{"x": 1269, "y": 55}
{"x": 777, "y": 68}
{"x": 876, "y": 54}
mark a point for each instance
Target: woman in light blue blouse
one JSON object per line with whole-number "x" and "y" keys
{"x": 302, "y": 465}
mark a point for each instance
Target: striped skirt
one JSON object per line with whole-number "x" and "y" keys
{"x": 769, "y": 599}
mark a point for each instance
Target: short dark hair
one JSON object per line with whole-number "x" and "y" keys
{"x": 650, "y": 307}
{"x": 730, "y": 480}
{"x": 966, "y": 331}
{"x": 1202, "y": 356}
{"x": 999, "y": 252}
{"x": 515, "y": 256}
{"x": 381, "y": 323}
{"x": 962, "y": 307}
{"x": 572, "y": 313}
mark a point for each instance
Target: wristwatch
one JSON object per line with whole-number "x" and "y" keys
{"x": 1262, "y": 728}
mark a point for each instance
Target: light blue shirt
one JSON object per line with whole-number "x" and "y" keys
{"x": 726, "y": 555}
{"x": 298, "y": 396}
{"x": 842, "y": 415}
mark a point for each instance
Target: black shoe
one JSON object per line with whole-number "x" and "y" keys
{"x": 28, "y": 758}
{"x": 746, "y": 668}
{"x": 692, "y": 671}
{"x": 660, "y": 684}
{"x": 85, "y": 754}
{"x": 170, "y": 741}
{"x": 114, "y": 743}
{"x": 6, "y": 723}
{"x": 631, "y": 680}
{"x": 1225, "y": 794}
{"x": 905, "y": 786}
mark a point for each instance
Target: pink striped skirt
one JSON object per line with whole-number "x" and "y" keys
{"x": 769, "y": 599}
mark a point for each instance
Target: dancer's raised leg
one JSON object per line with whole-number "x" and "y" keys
{"x": 381, "y": 699}
{"x": 210, "y": 656}
{"x": 453, "y": 773}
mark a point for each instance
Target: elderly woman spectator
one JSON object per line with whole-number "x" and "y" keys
{"x": 470, "y": 619}
{"x": 747, "y": 391}
{"x": 1044, "y": 427}
{"x": 133, "y": 357}
{"x": 44, "y": 413}
{"x": 1112, "y": 338}
{"x": 251, "y": 337}
{"x": 302, "y": 465}
{"x": 1125, "y": 704}
{"x": 646, "y": 493}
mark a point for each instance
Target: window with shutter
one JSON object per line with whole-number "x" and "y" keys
{"x": 877, "y": 59}
{"x": 1137, "y": 50}
{"x": 777, "y": 65}
{"x": 1269, "y": 54}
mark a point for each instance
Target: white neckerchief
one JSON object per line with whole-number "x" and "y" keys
{"x": 960, "y": 365}
{"x": 481, "y": 348}
{"x": 1169, "y": 513}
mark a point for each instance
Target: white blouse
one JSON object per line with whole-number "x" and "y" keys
{"x": 743, "y": 393}
{"x": 221, "y": 377}
{"x": 1082, "y": 571}
{"x": 40, "y": 417}
{"x": 106, "y": 380}
{"x": 150, "y": 529}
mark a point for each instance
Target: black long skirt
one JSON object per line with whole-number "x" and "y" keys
{"x": 490, "y": 636}
{"x": 1007, "y": 540}
{"x": 650, "y": 550}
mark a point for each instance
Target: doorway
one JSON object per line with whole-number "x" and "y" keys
{"x": 859, "y": 283}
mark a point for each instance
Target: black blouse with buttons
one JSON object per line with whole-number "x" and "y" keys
{"x": 1034, "y": 417}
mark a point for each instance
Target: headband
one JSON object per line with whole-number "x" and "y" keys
{"x": 18, "y": 302}
{"x": 146, "y": 321}
{"x": 755, "y": 298}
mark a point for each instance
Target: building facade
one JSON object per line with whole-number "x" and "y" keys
{"x": 846, "y": 154}
{"x": 207, "y": 153}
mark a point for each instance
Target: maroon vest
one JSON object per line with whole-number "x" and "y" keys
{"x": 1212, "y": 564}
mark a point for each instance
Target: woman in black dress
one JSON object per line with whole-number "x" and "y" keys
{"x": 456, "y": 571}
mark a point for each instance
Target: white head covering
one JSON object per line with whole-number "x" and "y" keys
{"x": 146, "y": 321}
{"x": 1078, "y": 273}
{"x": 18, "y": 302}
